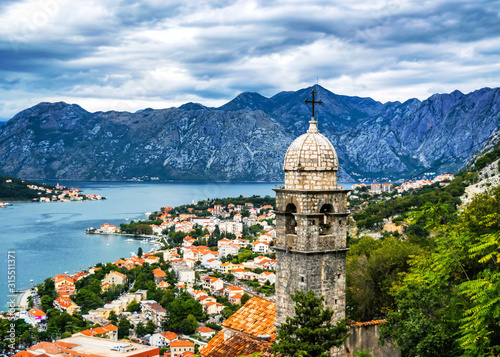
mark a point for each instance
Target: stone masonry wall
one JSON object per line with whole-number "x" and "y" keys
{"x": 310, "y": 180}
{"x": 322, "y": 273}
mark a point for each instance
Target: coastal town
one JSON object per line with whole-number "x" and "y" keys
{"x": 202, "y": 269}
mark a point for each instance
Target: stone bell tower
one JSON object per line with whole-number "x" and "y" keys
{"x": 311, "y": 219}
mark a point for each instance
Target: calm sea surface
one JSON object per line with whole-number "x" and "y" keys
{"x": 49, "y": 238}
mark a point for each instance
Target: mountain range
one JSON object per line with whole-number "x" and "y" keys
{"x": 246, "y": 138}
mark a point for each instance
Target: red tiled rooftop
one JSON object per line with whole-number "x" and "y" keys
{"x": 236, "y": 345}
{"x": 181, "y": 343}
{"x": 256, "y": 317}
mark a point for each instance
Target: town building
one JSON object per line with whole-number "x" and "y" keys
{"x": 163, "y": 339}
{"x": 109, "y": 332}
{"x": 177, "y": 348}
{"x": 205, "y": 332}
{"x": 153, "y": 311}
{"x": 184, "y": 273}
{"x": 115, "y": 278}
{"x": 77, "y": 346}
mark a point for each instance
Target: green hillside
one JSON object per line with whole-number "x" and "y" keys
{"x": 17, "y": 189}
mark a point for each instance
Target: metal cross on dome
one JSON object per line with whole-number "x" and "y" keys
{"x": 307, "y": 101}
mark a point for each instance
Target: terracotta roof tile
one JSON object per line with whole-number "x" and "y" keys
{"x": 24, "y": 354}
{"x": 181, "y": 343}
{"x": 368, "y": 323}
{"x": 169, "y": 335}
{"x": 256, "y": 317}
{"x": 48, "y": 347}
{"x": 205, "y": 329}
{"x": 234, "y": 346}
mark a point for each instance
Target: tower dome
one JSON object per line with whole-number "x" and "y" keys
{"x": 311, "y": 152}
{"x": 311, "y": 162}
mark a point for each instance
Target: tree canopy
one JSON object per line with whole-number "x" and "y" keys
{"x": 311, "y": 331}
{"x": 448, "y": 304}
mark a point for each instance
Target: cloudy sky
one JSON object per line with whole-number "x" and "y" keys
{"x": 128, "y": 55}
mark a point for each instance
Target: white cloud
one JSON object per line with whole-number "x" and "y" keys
{"x": 160, "y": 54}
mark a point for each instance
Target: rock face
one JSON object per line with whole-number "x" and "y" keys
{"x": 488, "y": 178}
{"x": 246, "y": 139}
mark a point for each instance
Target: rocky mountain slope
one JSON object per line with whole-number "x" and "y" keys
{"x": 246, "y": 139}
{"x": 487, "y": 178}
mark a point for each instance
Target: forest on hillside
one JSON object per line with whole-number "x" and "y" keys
{"x": 14, "y": 189}
{"x": 439, "y": 285}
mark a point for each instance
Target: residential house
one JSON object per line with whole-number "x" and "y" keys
{"x": 260, "y": 247}
{"x": 178, "y": 347}
{"x": 37, "y": 316}
{"x": 235, "y": 299}
{"x": 65, "y": 280}
{"x": 207, "y": 255}
{"x": 228, "y": 249}
{"x": 375, "y": 188}
{"x": 163, "y": 285}
{"x": 239, "y": 273}
{"x": 205, "y": 332}
{"x": 267, "y": 276}
{"x": 197, "y": 293}
{"x": 212, "y": 284}
{"x": 213, "y": 264}
{"x": 163, "y": 339}
{"x": 159, "y": 275}
{"x": 64, "y": 303}
{"x": 115, "y": 278}
{"x": 231, "y": 290}
{"x": 267, "y": 238}
{"x": 387, "y": 187}
{"x": 242, "y": 243}
{"x": 152, "y": 259}
{"x": 66, "y": 290}
{"x": 153, "y": 311}
{"x": 212, "y": 308}
{"x": 183, "y": 272}
{"x": 109, "y": 332}
{"x": 109, "y": 229}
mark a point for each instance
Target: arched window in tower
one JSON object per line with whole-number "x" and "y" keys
{"x": 290, "y": 223}
{"x": 326, "y": 224}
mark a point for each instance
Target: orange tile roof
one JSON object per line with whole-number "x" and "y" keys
{"x": 181, "y": 343}
{"x": 66, "y": 344}
{"x": 37, "y": 312}
{"x": 236, "y": 345}
{"x": 205, "y": 329}
{"x": 256, "y": 317}
{"x": 48, "y": 347}
{"x": 111, "y": 327}
{"x": 117, "y": 273}
{"x": 24, "y": 354}
{"x": 64, "y": 301}
{"x": 169, "y": 335}
{"x": 159, "y": 273}
{"x": 369, "y": 323}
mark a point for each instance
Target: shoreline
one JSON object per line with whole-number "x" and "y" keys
{"x": 22, "y": 301}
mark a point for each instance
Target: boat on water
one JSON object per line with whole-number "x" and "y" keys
{"x": 129, "y": 240}
{"x": 5, "y": 204}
